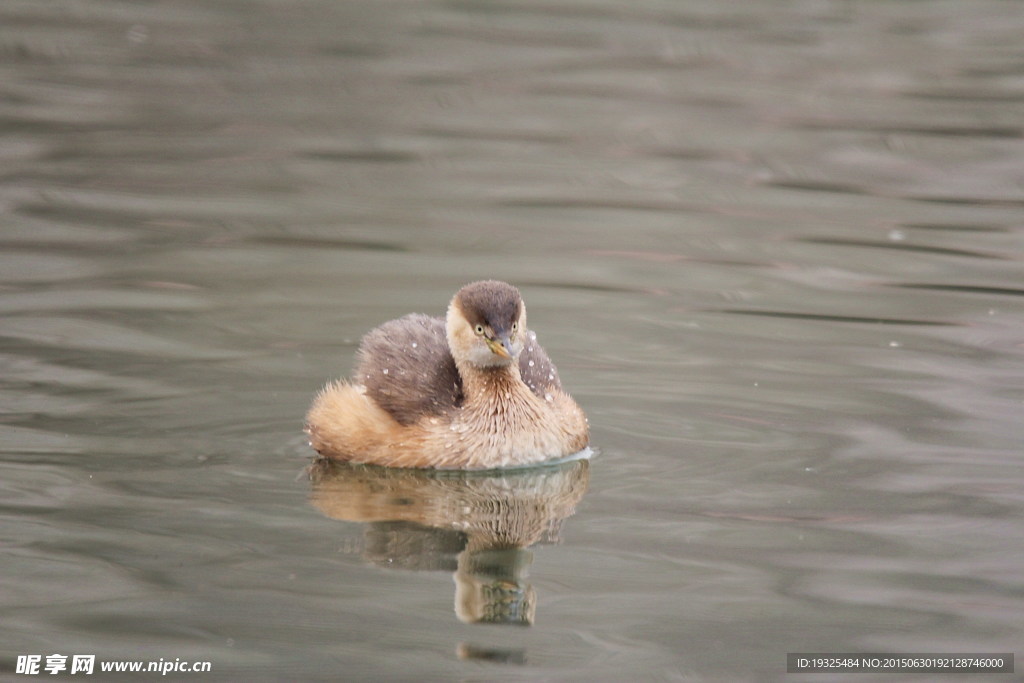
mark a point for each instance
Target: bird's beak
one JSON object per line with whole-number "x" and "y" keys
{"x": 500, "y": 347}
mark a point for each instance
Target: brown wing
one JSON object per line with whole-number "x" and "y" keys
{"x": 407, "y": 368}
{"x": 536, "y": 368}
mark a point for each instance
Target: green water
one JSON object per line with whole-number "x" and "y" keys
{"x": 775, "y": 250}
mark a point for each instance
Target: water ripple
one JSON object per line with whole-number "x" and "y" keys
{"x": 963, "y": 289}
{"x": 903, "y": 246}
{"x": 831, "y": 317}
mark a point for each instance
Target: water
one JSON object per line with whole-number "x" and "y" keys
{"x": 774, "y": 249}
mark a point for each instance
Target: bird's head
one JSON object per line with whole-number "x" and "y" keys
{"x": 486, "y": 323}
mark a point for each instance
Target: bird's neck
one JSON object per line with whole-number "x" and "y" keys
{"x": 491, "y": 387}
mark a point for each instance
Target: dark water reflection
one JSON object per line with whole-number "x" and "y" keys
{"x": 477, "y": 525}
{"x": 774, "y": 248}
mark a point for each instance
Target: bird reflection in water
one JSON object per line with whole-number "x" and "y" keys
{"x": 478, "y": 525}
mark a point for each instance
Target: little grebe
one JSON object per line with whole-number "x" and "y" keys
{"x": 474, "y": 391}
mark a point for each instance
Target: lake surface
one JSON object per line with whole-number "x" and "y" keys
{"x": 774, "y": 248}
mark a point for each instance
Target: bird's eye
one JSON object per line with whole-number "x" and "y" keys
{"x": 480, "y": 329}
{"x": 515, "y": 326}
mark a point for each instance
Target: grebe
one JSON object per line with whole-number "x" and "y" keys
{"x": 472, "y": 391}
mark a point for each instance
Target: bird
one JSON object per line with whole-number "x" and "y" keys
{"x": 471, "y": 391}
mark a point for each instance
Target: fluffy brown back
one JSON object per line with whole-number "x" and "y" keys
{"x": 536, "y": 368}
{"x": 407, "y": 368}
